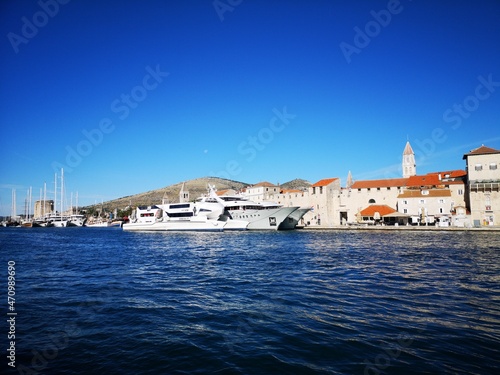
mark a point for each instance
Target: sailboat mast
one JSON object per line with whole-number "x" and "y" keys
{"x": 62, "y": 189}
{"x": 55, "y": 193}
{"x": 13, "y": 213}
{"x": 44, "y": 197}
{"x": 30, "y": 211}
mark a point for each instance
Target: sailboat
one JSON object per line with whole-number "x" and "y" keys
{"x": 58, "y": 219}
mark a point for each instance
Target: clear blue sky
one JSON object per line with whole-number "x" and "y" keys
{"x": 130, "y": 96}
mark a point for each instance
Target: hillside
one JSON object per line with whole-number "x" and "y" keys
{"x": 196, "y": 188}
{"x": 296, "y": 184}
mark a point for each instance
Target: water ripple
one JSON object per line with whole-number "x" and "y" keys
{"x": 327, "y": 302}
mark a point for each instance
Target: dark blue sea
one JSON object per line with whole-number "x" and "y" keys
{"x": 104, "y": 301}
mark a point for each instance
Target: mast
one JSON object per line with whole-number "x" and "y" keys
{"x": 13, "y": 212}
{"x": 62, "y": 190}
{"x": 55, "y": 194}
{"x": 30, "y": 211}
{"x": 26, "y": 212}
{"x": 44, "y": 198}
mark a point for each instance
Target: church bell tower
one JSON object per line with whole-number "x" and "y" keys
{"x": 409, "y": 165}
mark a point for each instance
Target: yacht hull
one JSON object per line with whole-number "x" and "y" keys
{"x": 187, "y": 225}
{"x": 293, "y": 219}
{"x": 263, "y": 219}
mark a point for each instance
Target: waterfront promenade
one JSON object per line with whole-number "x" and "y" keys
{"x": 362, "y": 227}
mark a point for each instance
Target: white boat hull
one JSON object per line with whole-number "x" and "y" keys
{"x": 264, "y": 219}
{"x": 234, "y": 224}
{"x": 59, "y": 224}
{"x": 177, "y": 225}
{"x": 98, "y": 225}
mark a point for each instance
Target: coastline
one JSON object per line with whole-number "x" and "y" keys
{"x": 400, "y": 228}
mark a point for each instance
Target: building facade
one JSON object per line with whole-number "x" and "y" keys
{"x": 483, "y": 172}
{"x": 43, "y": 207}
{"x": 461, "y": 198}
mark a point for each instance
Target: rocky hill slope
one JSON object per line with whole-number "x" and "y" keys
{"x": 196, "y": 188}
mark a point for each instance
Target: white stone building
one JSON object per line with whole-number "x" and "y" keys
{"x": 43, "y": 207}
{"x": 263, "y": 191}
{"x": 426, "y": 206}
{"x": 483, "y": 171}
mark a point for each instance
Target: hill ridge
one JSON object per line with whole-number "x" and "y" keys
{"x": 196, "y": 188}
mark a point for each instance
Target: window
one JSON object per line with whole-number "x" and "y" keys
{"x": 321, "y": 189}
{"x": 478, "y": 167}
{"x": 371, "y": 201}
{"x": 405, "y": 210}
{"x": 493, "y": 166}
{"x": 441, "y": 201}
{"x": 422, "y": 201}
{"x": 460, "y": 192}
{"x": 405, "y": 202}
{"x": 389, "y": 188}
{"x": 378, "y": 189}
{"x": 440, "y": 210}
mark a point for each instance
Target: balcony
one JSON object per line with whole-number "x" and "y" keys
{"x": 484, "y": 185}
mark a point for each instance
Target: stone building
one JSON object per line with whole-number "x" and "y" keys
{"x": 454, "y": 197}
{"x": 409, "y": 165}
{"x": 263, "y": 191}
{"x": 483, "y": 172}
{"x": 43, "y": 208}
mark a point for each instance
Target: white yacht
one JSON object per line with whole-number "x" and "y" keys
{"x": 292, "y": 221}
{"x": 76, "y": 220}
{"x": 174, "y": 217}
{"x": 56, "y": 220}
{"x": 260, "y": 216}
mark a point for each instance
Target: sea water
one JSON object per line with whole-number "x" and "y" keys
{"x": 104, "y": 301}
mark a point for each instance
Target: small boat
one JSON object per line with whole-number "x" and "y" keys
{"x": 97, "y": 223}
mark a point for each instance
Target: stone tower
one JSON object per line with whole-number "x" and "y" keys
{"x": 409, "y": 165}
{"x": 183, "y": 195}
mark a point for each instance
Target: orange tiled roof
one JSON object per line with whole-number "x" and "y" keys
{"x": 457, "y": 173}
{"x": 425, "y": 180}
{"x": 432, "y": 179}
{"x": 324, "y": 182}
{"x": 481, "y": 151}
{"x": 429, "y": 193}
{"x": 388, "y": 182}
{"x": 382, "y": 209}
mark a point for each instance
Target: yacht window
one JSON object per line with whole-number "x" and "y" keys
{"x": 182, "y": 205}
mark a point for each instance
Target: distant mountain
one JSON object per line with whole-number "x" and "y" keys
{"x": 296, "y": 184}
{"x": 196, "y": 188}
